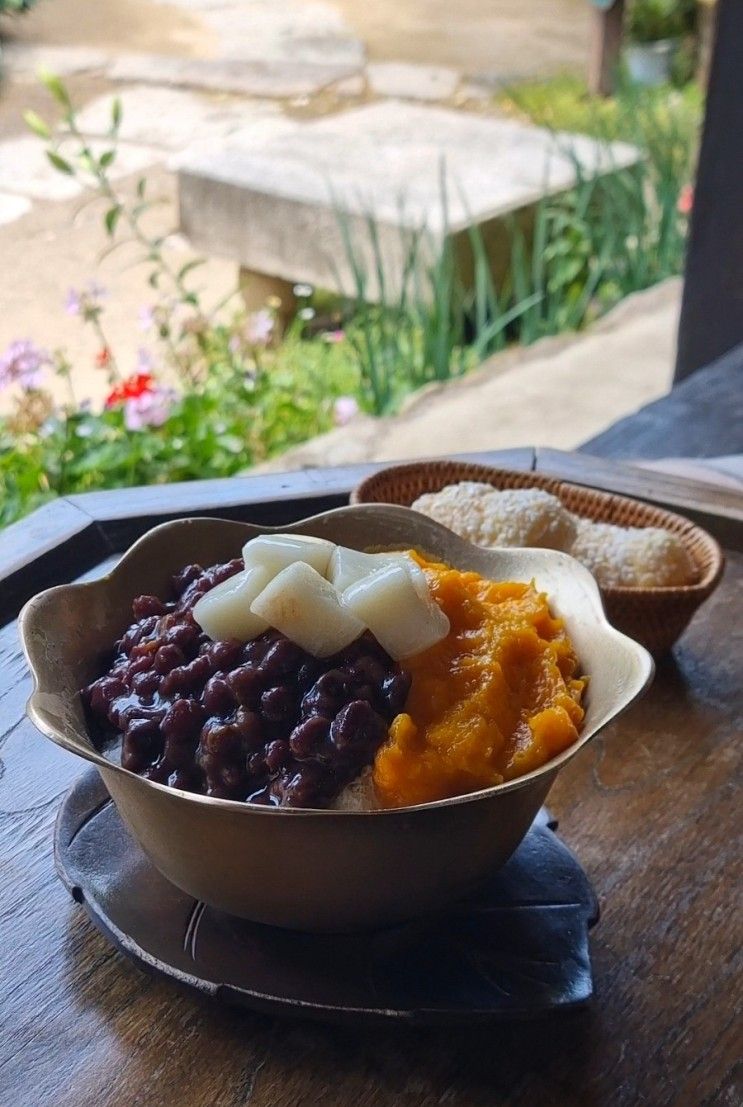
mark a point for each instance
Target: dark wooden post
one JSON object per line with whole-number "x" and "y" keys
{"x": 606, "y": 44}
{"x": 712, "y": 305}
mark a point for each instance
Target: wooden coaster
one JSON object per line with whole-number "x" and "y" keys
{"x": 519, "y": 949}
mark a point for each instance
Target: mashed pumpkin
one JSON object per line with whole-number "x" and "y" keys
{"x": 495, "y": 699}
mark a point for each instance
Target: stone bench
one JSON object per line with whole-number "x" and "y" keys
{"x": 281, "y": 205}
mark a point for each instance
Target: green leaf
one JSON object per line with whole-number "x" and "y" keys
{"x": 141, "y": 187}
{"x": 116, "y": 114}
{"x": 107, "y": 158}
{"x": 87, "y": 161}
{"x": 36, "y": 124}
{"x": 111, "y": 218}
{"x": 189, "y": 266}
{"x": 59, "y": 163}
{"x": 53, "y": 84}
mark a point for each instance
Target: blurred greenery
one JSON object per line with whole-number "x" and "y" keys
{"x": 237, "y": 416}
{"x": 13, "y": 6}
{"x": 654, "y": 20}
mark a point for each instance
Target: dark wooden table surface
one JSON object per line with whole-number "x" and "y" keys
{"x": 650, "y": 807}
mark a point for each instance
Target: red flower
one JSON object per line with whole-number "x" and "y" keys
{"x": 103, "y": 358}
{"x": 130, "y": 389}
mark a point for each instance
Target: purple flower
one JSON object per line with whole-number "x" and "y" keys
{"x": 259, "y": 328}
{"x": 150, "y": 409}
{"x": 96, "y": 291}
{"x": 144, "y": 360}
{"x": 344, "y": 409}
{"x": 146, "y": 317}
{"x": 73, "y": 303}
{"x": 23, "y": 364}
{"x": 87, "y": 302}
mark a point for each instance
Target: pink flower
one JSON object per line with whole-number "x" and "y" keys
{"x": 259, "y": 328}
{"x": 685, "y": 202}
{"x": 149, "y": 409}
{"x": 344, "y": 409}
{"x": 23, "y": 364}
{"x": 334, "y": 336}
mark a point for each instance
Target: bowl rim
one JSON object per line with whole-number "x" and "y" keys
{"x": 687, "y": 528}
{"x": 27, "y": 621}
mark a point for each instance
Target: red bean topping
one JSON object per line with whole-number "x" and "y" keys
{"x": 217, "y": 697}
{"x": 307, "y": 738}
{"x": 148, "y": 605}
{"x": 246, "y": 684}
{"x": 278, "y": 704}
{"x": 263, "y": 721}
{"x": 168, "y": 658}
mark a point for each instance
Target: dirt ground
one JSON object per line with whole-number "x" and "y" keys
{"x": 511, "y": 37}
{"x": 136, "y": 25}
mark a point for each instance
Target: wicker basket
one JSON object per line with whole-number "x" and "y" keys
{"x": 655, "y": 617}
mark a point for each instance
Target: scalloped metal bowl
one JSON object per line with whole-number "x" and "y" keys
{"x": 309, "y": 869}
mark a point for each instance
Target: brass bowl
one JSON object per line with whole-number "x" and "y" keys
{"x": 312, "y": 869}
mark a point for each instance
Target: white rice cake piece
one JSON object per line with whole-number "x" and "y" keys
{"x": 395, "y": 603}
{"x": 224, "y": 611}
{"x": 276, "y": 551}
{"x": 347, "y": 566}
{"x": 301, "y": 604}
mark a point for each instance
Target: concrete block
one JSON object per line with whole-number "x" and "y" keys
{"x": 283, "y": 207}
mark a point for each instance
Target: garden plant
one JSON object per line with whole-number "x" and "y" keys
{"x": 214, "y": 392}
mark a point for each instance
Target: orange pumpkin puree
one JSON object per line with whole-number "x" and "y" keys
{"x": 495, "y": 699}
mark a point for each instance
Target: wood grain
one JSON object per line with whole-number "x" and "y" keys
{"x": 650, "y": 808}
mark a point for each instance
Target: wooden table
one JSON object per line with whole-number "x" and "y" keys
{"x": 650, "y": 808}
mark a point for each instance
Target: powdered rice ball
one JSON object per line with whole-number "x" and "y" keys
{"x": 514, "y": 517}
{"x": 632, "y": 557}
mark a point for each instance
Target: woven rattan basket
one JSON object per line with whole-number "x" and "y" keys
{"x": 655, "y": 617}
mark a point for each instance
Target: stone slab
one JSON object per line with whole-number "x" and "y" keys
{"x": 65, "y": 61}
{"x": 13, "y": 207}
{"x": 271, "y": 79}
{"x": 282, "y": 207}
{"x": 25, "y": 169}
{"x": 171, "y": 118}
{"x": 350, "y": 87}
{"x": 410, "y": 81}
